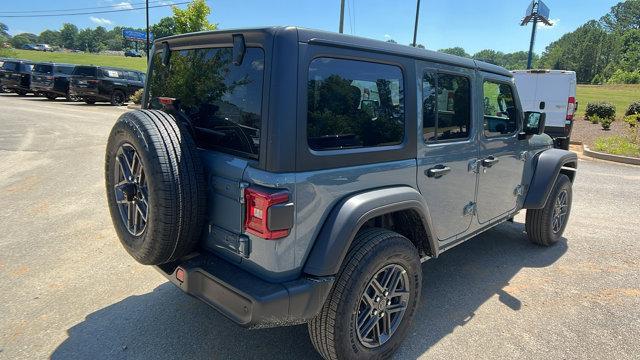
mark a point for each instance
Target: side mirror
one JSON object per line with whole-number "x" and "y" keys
{"x": 239, "y": 48}
{"x": 533, "y": 123}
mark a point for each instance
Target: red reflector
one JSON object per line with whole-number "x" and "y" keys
{"x": 257, "y": 212}
{"x": 180, "y": 274}
{"x": 166, "y": 100}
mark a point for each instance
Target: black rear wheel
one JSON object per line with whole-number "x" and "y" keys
{"x": 372, "y": 303}
{"x": 90, "y": 101}
{"x": 118, "y": 98}
{"x": 50, "y": 96}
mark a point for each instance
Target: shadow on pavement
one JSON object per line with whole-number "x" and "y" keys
{"x": 167, "y": 324}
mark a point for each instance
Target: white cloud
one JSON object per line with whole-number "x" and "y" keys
{"x": 387, "y": 36}
{"x": 123, "y": 6}
{"x": 554, "y": 23}
{"x": 100, "y": 21}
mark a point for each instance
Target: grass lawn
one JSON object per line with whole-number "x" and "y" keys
{"x": 84, "y": 59}
{"x": 619, "y": 95}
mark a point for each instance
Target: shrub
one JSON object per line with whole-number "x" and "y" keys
{"x": 595, "y": 119}
{"x": 136, "y": 98}
{"x": 617, "y": 145}
{"x": 632, "y": 120}
{"x": 624, "y": 77}
{"x": 634, "y": 108}
{"x": 602, "y": 109}
{"x": 606, "y": 123}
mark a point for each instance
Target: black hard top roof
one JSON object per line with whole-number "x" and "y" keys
{"x": 355, "y": 42}
{"x": 110, "y": 68}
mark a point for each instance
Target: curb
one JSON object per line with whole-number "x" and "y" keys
{"x": 609, "y": 157}
{"x": 133, "y": 106}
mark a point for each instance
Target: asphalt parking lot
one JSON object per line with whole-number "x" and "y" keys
{"x": 70, "y": 291}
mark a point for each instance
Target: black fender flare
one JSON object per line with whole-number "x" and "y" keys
{"x": 548, "y": 165}
{"x": 348, "y": 216}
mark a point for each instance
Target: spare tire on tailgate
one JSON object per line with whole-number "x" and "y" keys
{"x": 155, "y": 186}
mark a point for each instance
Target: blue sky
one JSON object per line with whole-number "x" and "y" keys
{"x": 471, "y": 24}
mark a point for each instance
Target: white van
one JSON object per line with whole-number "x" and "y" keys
{"x": 553, "y": 92}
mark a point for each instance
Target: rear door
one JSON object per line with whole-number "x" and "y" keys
{"x": 448, "y": 148}
{"x": 222, "y": 103}
{"x": 501, "y": 166}
{"x": 553, "y": 92}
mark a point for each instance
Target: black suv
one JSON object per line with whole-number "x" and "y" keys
{"x": 52, "y": 80}
{"x": 15, "y": 76}
{"x": 99, "y": 83}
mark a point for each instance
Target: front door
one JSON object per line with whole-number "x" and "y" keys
{"x": 501, "y": 163}
{"x": 447, "y": 149}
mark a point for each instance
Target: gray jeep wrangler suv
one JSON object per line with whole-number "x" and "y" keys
{"x": 285, "y": 176}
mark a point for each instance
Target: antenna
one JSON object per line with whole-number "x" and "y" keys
{"x": 415, "y": 27}
{"x": 536, "y": 12}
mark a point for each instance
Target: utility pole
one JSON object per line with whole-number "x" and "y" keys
{"x": 415, "y": 28}
{"x": 341, "y": 16}
{"x": 536, "y": 12}
{"x": 147, "y": 30}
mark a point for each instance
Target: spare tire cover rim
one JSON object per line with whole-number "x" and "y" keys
{"x": 131, "y": 191}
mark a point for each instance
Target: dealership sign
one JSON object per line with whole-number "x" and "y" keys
{"x": 135, "y": 35}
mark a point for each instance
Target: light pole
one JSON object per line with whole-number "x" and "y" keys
{"x": 415, "y": 28}
{"x": 147, "y": 30}
{"x": 341, "y": 16}
{"x": 536, "y": 12}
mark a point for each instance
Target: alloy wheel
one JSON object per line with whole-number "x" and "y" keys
{"x": 131, "y": 190}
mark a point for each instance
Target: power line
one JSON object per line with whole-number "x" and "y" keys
{"x": 116, "y": 6}
{"x": 93, "y": 12}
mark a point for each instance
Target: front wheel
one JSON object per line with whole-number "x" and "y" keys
{"x": 89, "y": 101}
{"x": 545, "y": 226}
{"x": 373, "y": 301}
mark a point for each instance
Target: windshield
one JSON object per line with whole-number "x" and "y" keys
{"x": 43, "y": 68}
{"x": 222, "y": 101}
{"x": 85, "y": 71}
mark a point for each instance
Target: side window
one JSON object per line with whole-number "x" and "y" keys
{"x": 500, "y": 111}
{"x": 354, "y": 104}
{"x": 446, "y": 107}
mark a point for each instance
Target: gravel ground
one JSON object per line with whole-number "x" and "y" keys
{"x": 587, "y": 132}
{"x": 69, "y": 290}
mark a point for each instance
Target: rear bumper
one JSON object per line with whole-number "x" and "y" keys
{"x": 559, "y": 131}
{"x": 245, "y": 298}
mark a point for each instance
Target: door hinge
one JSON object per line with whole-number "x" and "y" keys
{"x": 470, "y": 209}
{"x": 243, "y": 185}
{"x": 473, "y": 165}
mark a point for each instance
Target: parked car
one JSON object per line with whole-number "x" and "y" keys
{"x": 51, "y": 80}
{"x": 100, "y": 83}
{"x": 554, "y": 92}
{"x": 43, "y": 47}
{"x": 133, "y": 53}
{"x": 317, "y": 201}
{"x": 15, "y": 76}
{"x": 29, "y": 47}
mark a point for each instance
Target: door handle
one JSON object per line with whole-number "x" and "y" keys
{"x": 437, "y": 171}
{"x": 490, "y": 161}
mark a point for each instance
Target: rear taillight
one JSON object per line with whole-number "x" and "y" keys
{"x": 92, "y": 81}
{"x": 258, "y": 209}
{"x": 571, "y": 107}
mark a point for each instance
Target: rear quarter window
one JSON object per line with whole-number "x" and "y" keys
{"x": 43, "y": 68}
{"x": 354, "y": 104}
{"x": 66, "y": 70}
{"x": 85, "y": 71}
{"x": 10, "y": 66}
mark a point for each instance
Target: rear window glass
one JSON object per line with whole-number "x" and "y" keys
{"x": 85, "y": 71}
{"x": 67, "y": 70}
{"x": 11, "y": 66}
{"x": 43, "y": 68}
{"x": 223, "y": 101}
{"x": 354, "y": 104}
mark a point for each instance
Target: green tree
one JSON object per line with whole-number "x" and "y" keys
{"x": 623, "y": 16}
{"x": 458, "y": 51}
{"x": 50, "y": 37}
{"x": 23, "y": 39}
{"x": 68, "y": 35}
{"x": 165, "y": 27}
{"x": 490, "y": 56}
{"x": 193, "y": 18}
{"x": 85, "y": 41}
